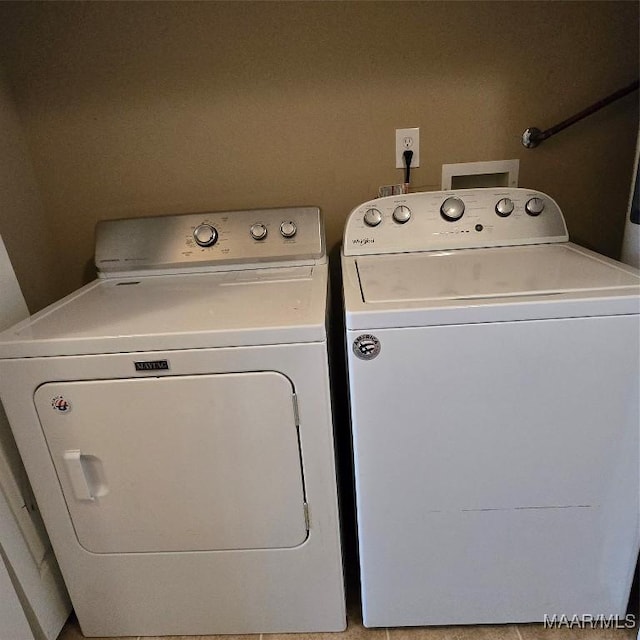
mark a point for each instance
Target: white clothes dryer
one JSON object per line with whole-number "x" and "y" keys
{"x": 175, "y": 421}
{"x": 494, "y": 374}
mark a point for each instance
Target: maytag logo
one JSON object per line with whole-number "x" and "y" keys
{"x": 152, "y": 365}
{"x": 363, "y": 241}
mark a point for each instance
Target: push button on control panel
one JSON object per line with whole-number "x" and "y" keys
{"x": 205, "y": 235}
{"x": 452, "y": 209}
{"x": 372, "y": 217}
{"x": 258, "y": 231}
{"x": 288, "y": 229}
{"x": 534, "y": 207}
{"x": 504, "y": 207}
{"x": 401, "y": 214}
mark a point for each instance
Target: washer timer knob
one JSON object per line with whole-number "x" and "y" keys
{"x": 205, "y": 235}
{"x": 534, "y": 207}
{"x": 372, "y": 217}
{"x": 504, "y": 207}
{"x": 288, "y": 229}
{"x": 258, "y": 231}
{"x": 452, "y": 209}
{"x": 401, "y": 214}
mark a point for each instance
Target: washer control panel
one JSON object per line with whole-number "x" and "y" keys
{"x": 209, "y": 240}
{"x": 463, "y": 218}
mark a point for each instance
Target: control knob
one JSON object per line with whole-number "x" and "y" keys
{"x": 452, "y": 209}
{"x": 504, "y": 207}
{"x": 372, "y": 217}
{"x": 205, "y": 235}
{"x": 258, "y": 231}
{"x": 288, "y": 229}
{"x": 534, "y": 207}
{"x": 401, "y": 214}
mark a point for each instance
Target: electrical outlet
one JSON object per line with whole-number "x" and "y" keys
{"x": 408, "y": 139}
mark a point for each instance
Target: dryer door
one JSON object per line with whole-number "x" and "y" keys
{"x": 176, "y": 463}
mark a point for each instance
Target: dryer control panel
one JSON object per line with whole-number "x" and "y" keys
{"x": 463, "y": 218}
{"x": 217, "y": 240}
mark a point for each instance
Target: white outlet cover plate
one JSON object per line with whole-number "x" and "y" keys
{"x": 403, "y": 136}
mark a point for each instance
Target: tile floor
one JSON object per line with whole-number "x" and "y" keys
{"x": 355, "y": 631}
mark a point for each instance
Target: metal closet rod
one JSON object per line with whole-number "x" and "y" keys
{"x": 532, "y": 136}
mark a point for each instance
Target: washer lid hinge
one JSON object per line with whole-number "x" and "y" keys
{"x": 307, "y": 519}
{"x": 296, "y": 416}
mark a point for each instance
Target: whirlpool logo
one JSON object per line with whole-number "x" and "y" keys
{"x": 363, "y": 241}
{"x": 366, "y": 346}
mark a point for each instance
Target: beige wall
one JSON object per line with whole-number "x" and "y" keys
{"x": 24, "y": 227}
{"x": 142, "y": 108}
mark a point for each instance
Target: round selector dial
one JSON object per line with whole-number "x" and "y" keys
{"x": 372, "y": 217}
{"x": 258, "y": 231}
{"x": 205, "y": 235}
{"x": 504, "y": 207}
{"x": 288, "y": 229}
{"x": 401, "y": 214}
{"x": 452, "y": 209}
{"x": 534, "y": 207}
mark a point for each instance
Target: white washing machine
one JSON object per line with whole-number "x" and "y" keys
{"x": 175, "y": 421}
{"x": 494, "y": 372}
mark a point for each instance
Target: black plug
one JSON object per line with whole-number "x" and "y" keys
{"x": 407, "y": 156}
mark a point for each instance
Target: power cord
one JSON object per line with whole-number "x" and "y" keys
{"x": 407, "y": 156}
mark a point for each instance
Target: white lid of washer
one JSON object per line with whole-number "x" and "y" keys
{"x": 475, "y": 274}
{"x": 485, "y": 285}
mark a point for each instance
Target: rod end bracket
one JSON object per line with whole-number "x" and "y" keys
{"x": 532, "y": 137}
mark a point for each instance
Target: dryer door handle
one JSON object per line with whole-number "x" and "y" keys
{"x": 75, "y": 470}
